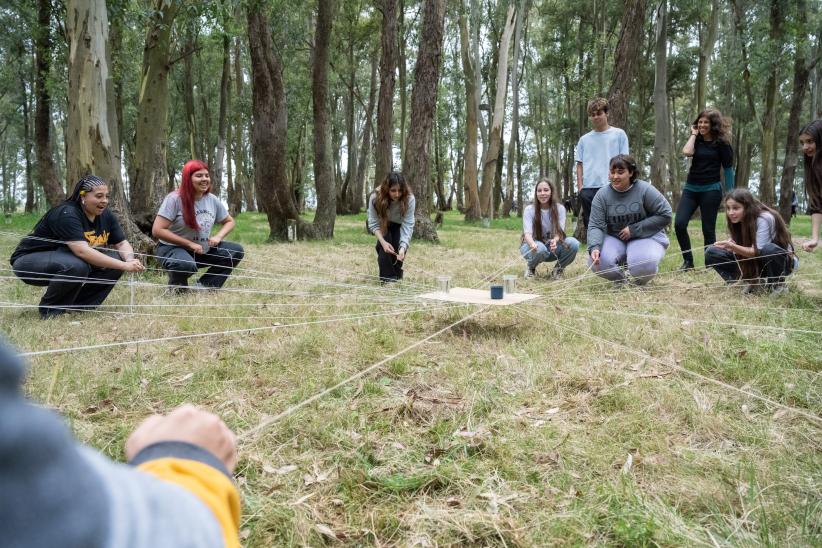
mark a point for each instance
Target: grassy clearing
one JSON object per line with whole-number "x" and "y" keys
{"x": 515, "y": 428}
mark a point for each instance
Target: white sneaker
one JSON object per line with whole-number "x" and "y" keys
{"x": 556, "y": 273}
{"x": 529, "y": 272}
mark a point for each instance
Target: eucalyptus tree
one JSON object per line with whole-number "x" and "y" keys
{"x": 383, "y": 149}
{"x": 43, "y": 140}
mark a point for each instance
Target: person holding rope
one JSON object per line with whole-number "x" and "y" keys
{"x": 759, "y": 250}
{"x": 177, "y": 491}
{"x": 391, "y": 220}
{"x": 628, "y": 218}
{"x": 550, "y": 243}
{"x": 183, "y": 227}
{"x": 810, "y": 139}
{"x": 710, "y": 151}
{"x": 66, "y": 251}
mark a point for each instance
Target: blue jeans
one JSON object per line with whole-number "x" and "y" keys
{"x": 72, "y": 282}
{"x": 773, "y": 263}
{"x": 181, "y": 263}
{"x": 565, "y": 253}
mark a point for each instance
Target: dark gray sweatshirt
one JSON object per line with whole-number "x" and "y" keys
{"x": 642, "y": 208}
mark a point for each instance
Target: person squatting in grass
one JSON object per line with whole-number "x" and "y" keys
{"x": 543, "y": 235}
{"x": 592, "y": 153}
{"x": 710, "y": 151}
{"x": 759, "y": 250}
{"x": 66, "y": 251}
{"x": 628, "y": 218}
{"x": 810, "y": 139}
{"x": 183, "y": 227}
{"x": 177, "y": 491}
{"x": 391, "y": 220}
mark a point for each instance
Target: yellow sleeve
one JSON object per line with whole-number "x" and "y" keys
{"x": 208, "y": 484}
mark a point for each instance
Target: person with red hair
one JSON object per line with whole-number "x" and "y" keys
{"x": 183, "y": 228}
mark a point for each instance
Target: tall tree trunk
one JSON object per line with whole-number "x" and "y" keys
{"x": 269, "y": 132}
{"x": 323, "y": 167}
{"x": 243, "y": 177}
{"x": 402, "y": 67}
{"x": 416, "y": 164}
{"x": 767, "y": 179}
{"x": 384, "y": 154}
{"x": 218, "y": 168}
{"x": 187, "y": 91}
{"x": 368, "y": 128}
{"x": 92, "y": 139}
{"x": 508, "y": 203}
{"x": 801, "y": 75}
{"x": 662, "y": 129}
{"x": 27, "y": 144}
{"x": 626, "y": 61}
{"x": 473, "y": 210}
{"x": 707, "y": 40}
{"x": 344, "y": 201}
{"x": 151, "y": 179}
{"x": 491, "y": 156}
{"x": 46, "y": 171}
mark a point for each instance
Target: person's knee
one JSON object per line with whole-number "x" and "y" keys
{"x": 644, "y": 271}
{"x": 572, "y": 243}
{"x": 178, "y": 265}
{"x": 236, "y": 250}
{"x": 712, "y": 255}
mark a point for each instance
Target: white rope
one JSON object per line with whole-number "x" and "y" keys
{"x": 292, "y": 409}
{"x": 209, "y": 334}
{"x": 813, "y": 418}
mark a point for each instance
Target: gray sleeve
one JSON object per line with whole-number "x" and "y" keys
{"x": 659, "y": 214}
{"x": 146, "y": 511}
{"x": 170, "y": 207}
{"x": 407, "y": 229}
{"x": 764, "y": 230}
{"x": 528, "y": 221}
{"x": 560, "y": 217}
{"x": 596, "y": 223}
{"x": 220, "y": 211}
{"x": 373, "y": 218}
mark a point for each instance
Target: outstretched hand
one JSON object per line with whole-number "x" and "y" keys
{"x": 595, "y": 257}
{"x": 188, "y": 424}
{"x": 810, "y": 245}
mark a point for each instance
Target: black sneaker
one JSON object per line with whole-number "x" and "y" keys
{"x": 686, "y": 266}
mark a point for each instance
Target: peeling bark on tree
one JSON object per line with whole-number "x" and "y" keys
{"x": 417, "y": 165}
{"x": 473, "y": 211}
{"x": 626, "y": 61}
{"x": 384, "y": 154}
{"x": 326, "y": 212}
{"x": 45, "y": 168}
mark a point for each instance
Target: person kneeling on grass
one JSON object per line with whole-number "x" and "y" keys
{"x": 628, "y": 217}
{"x": 183, "y": 226}
{"x": 391, "y": 220}
{"x": 759, "y": 250}
{"x": 550, "y": 243}
{"x": 67, "y": 252}
{"x": 178, "y": 491}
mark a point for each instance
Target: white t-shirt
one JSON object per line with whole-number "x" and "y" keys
{"x": 545, "y": 217}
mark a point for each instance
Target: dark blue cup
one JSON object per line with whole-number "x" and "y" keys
{"x": 496, "y": 291}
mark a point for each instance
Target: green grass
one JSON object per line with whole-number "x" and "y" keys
{"x": 511, "y": 429}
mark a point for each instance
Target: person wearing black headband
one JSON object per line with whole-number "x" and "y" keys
{"x": 66, "y": 252}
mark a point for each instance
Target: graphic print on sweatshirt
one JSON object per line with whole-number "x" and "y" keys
{"x": 620, "y": 215}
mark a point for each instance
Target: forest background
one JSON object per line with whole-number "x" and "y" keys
{"x": 301, "y": 106}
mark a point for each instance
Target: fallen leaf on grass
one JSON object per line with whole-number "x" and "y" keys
{"x": 245, "y": 533}
{"x": 453, "y": 502}
{"x": 629, "y": 462}
{"x": 317, "y": 477}
{"x": 268, "y": 469}
{"x": 325, "y": 530}
{"x": 549, "y": 457}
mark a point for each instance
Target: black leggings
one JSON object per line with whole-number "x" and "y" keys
{"x": 708, "y": 204}
{"x": 390, "y": 267}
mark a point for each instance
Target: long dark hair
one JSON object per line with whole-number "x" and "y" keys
{"x": 186, "y": 192}
{"x": 556, "y": 230}
{"x": 720, "y": 125}
{"x": 382, "y": 201}
{"x": 813, "y": 166}
{"x": 83, "y": 186}
{"x": 744, "y": 232}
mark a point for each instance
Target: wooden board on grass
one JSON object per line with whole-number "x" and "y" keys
{"x": 478, "y": 296}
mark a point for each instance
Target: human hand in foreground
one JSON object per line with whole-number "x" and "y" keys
{"x": 552, "y": 244}
{"x": 595, "y": 257}
{"x": 214, "y": 241}
{"x": 810, "y": 245}
{"x": 188, "y": 424}
{"x": 727, "y": 245}
{"x": 401, "y": 254}
{"x": 196, "y": 248}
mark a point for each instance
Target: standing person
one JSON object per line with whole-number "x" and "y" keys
{"x": 183, "y": 226}
{"x": 178, "y": 491}
{"x": 759, "y": 249}
{"x": 65, "y": 251}
{"x": 391, "y": 220}
{"x": 710, "y": 151}
{"x": 628, "y": 218}
{"x": 543, "y": 234}
{"x": 810, "y": 138}
{"x": 593, "y": 152}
